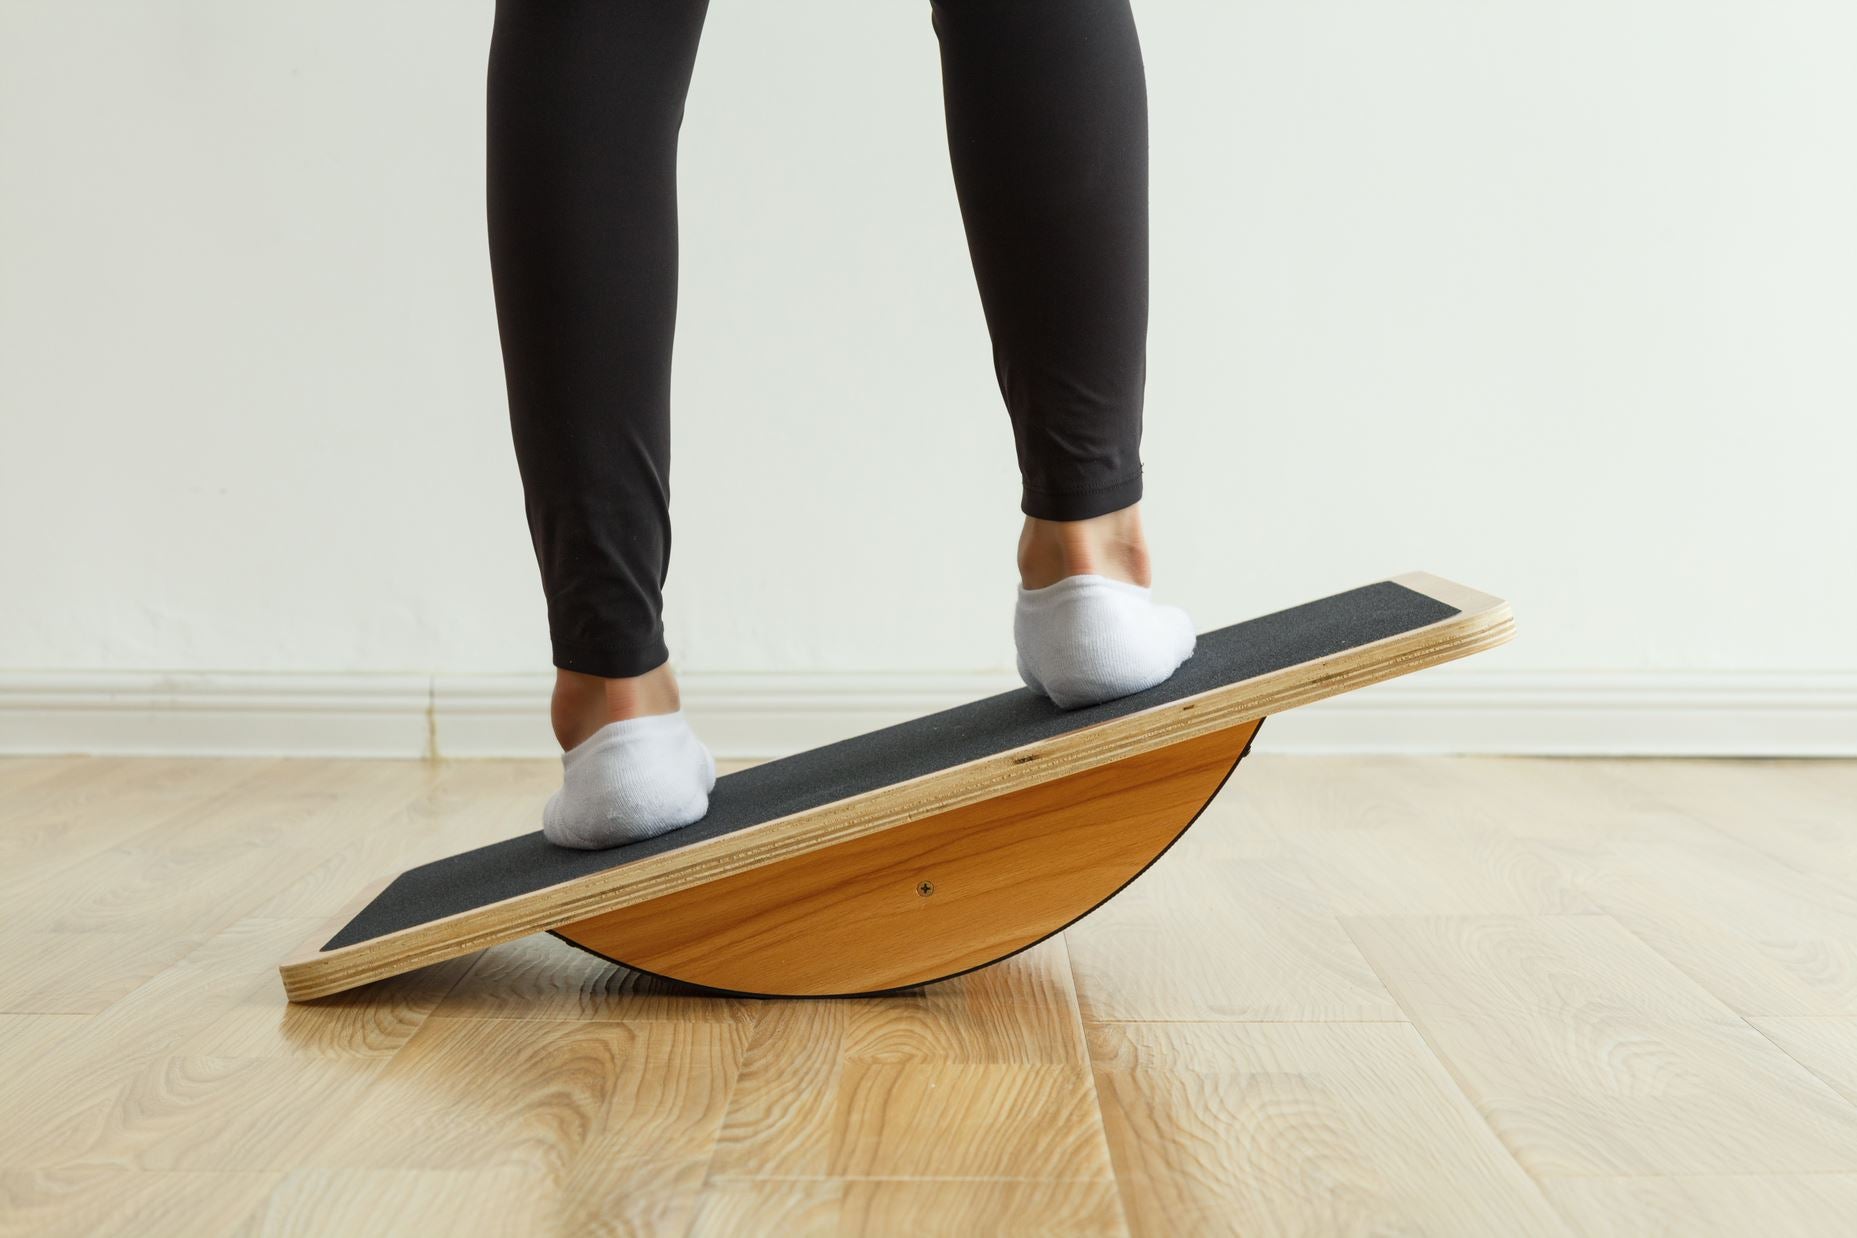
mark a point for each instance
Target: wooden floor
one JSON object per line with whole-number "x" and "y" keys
{"x": 1364, "y": 995}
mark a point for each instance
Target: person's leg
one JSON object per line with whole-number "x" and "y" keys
{"x": 586, "y": 98}
{"x": 1047, "y": 115}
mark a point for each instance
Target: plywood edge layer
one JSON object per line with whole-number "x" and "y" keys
{"x": 311, "y": 949}
{"x": 1463, "y": 597}
{"x": 1483, "y": 624}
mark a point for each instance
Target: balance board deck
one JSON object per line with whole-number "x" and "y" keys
{"x": 987, "y": 776}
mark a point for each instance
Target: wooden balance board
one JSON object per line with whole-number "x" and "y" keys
{"x": 920, "y": 851}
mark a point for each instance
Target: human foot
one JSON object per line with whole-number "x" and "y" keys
{"x": 631, "y": 780}
{"x": 632, "y": 768}
{"x": 1086, "y": 626}
{"x": 1089, "y": 639}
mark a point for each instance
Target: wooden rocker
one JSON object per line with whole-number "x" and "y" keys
{"x": 918, "y": 852}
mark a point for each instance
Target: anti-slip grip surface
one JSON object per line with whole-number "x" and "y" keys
{"x": 896, "y": 754}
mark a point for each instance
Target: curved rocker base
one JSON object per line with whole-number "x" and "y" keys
{"x": 930, "y": 899}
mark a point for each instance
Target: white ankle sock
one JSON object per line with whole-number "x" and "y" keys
{"x": 1088, "y": 639}
{"x": 628, "y": 781}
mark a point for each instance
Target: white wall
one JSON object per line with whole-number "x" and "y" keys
{"x": 1555, "y": 299}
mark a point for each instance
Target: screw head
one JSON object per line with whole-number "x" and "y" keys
{"x": 926, "y": 888}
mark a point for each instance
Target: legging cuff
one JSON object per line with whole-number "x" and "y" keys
{"x": 620, "y": 660}
{"x": 1084, "y": 504}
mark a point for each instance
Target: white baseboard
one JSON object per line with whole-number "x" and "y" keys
{"x": 214, "y": 713}
{"x": 1448, "y": 710}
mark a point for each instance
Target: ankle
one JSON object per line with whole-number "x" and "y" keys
{"x": 1111, "y": 545}
{"x": 584, "y": 703}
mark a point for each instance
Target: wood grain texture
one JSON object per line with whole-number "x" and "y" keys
{"x": 1759, "y": 906}
{"x": 21, "y": 773}
{"x": 1826, "y": 1047}
{"x": 543, "y": 977}
{"x": 984, "y": 1077}
{"x": 1399, "y": 837}
{"x": 568, "y": 1091}
{"x": 1728, "y": 1206}
{"x": 1734, "y": 882}
{"x": 1281, "y": 953}
{"x": 1482, "y": 622}
{"x": 102, "y": 1200}
{"x": 960, "y": 1208}
{"x": 387, "y": 1203}
{"x": 929, "y": 899}
{"x": 1590, "y": 1054}
{"x": 1546, "y": 1034}
{"x": 1301, "y": 1128}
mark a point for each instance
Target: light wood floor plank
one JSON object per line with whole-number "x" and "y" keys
{"x": 542, "y": 977}
{"x": 1762, "y": 937}
{"x": 1405, "y": 836}
{"x": 83, "y": 1203}
{"x": 387, "y": 1203}
{"x": 955, "y": 1208}
{"x": 22, "y": 773}
{"x": 27, "y": 1043}
{"x": 68, "y": 1105}
{"x": 1301, "y": 1128}
{"x": 548, "y": 1097}
{"x": 943, "y": 1120}
{"x": 1728, "y": 1206}
{"x": 783, "y": 1116}
{"x": 81, "y": 973}
{"x": 1022, "y": 1011}
{"x": 1590, "y": 1054}
{"x": 1197, "y": 937}
{"x": 1682, "y": 871}
{"x": 96, "y": 803}
{"x": 984, "y": 1076}
{"x": 245, "y": 1114}
{"x": 374, "y": 1021}
{"x": 96, "y": 933}
{"x": 1802, "y": 813}
{"x": 1826, "y": 1047}
{"x": 1761, "y": 905}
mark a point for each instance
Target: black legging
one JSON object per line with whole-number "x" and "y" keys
{"x": 1047, "y": 129}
